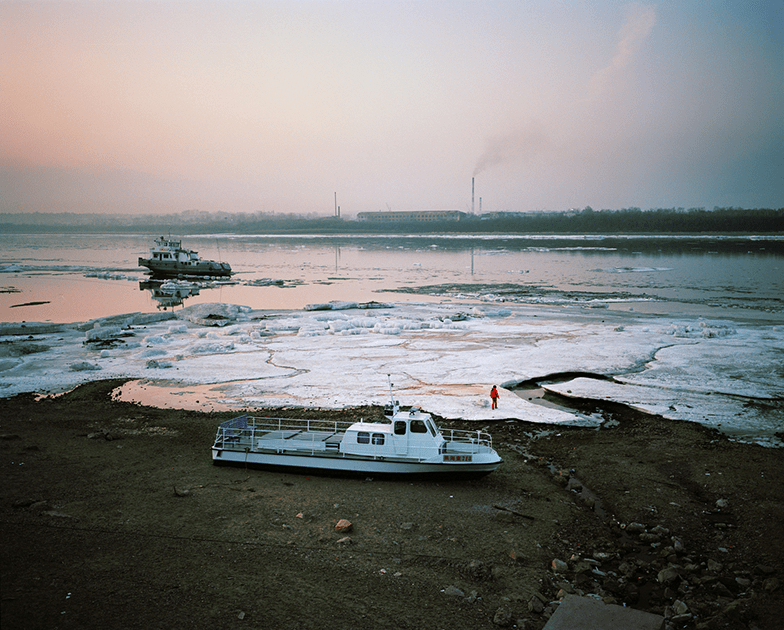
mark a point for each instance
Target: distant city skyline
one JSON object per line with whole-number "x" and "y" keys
{"x": 293, "y": 106}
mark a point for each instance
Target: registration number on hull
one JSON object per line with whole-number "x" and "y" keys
{"x": 457, "y": 458}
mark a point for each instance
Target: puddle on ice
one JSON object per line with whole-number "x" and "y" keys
{"x": 167, "y": 395}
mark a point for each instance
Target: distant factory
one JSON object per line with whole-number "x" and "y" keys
{"x": 419, "y": 216}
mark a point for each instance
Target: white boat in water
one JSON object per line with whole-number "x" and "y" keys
{"x": 409, "y": 443}
{"x": 168, "y": 258}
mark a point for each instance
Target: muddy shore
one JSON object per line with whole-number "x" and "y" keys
{"x": 112, "y": 515}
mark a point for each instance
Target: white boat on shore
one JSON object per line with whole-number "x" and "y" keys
{"x": 168, "y": 259}
{"x": 408, "y": 444}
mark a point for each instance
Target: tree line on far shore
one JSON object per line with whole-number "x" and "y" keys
{"x": 586, "y": 221}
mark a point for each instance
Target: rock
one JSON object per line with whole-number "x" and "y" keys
{"x": 541, "y": 597}
{"x": 744, "y": 583}
{"x": 503, "y": 617}
{"x": 559, "y": 566}
{"x": 764, "y": 569}
{"x": 308, "y": 517}
{"x": 714, "y": 567}
{"x": 722, "y": 504}
{"x": 346, "y": 540}
{"x": 668, "y": 575}
{"x": 535, "y": 605}
{"x": 679, "y": 607}
{"x": 635, "y": 528}
{"x": 343, "y": 526}
{"x": 453, "y": 591}
{"x": 566, "y": 587}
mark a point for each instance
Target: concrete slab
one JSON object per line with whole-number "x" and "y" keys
{"x": 587, "y": 613}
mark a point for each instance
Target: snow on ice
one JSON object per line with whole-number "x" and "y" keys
{"x": 218, "y": 356}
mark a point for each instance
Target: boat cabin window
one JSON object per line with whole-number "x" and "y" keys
{"x": 378, "y": 439}
{"x": 431, "y": 427}
{"x": 400, "y": 427}
{"x": 363, "y": 437}
{"x": 417, "y": 426}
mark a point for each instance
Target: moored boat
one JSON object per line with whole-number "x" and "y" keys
{"x": 168, "y": 258}
{"x": 409, "y": 443}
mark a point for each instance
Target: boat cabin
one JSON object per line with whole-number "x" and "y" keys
{"x": 410, "y": 433}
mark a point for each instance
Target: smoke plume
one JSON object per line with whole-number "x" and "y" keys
{"x": 638, "y": 23}
{"x": 517, "y": 146}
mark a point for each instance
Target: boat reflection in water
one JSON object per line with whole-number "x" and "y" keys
{"x": 169, "y": 293}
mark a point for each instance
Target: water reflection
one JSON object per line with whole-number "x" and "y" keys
{"x": 169, "y": 294}
{"x": 43, "y": 278}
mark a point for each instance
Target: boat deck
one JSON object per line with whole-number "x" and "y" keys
{"x": 253, "y": 433}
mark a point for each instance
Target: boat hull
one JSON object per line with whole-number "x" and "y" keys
{"x": 173, "y": 269}
{"x": 356, "y": 465}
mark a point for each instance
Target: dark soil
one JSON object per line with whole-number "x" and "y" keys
{"x": 112, "y": 515}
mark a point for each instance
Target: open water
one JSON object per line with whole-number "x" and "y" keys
{"x": 71, "y": 278}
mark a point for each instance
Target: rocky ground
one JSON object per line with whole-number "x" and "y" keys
{"x": 113, "y": 516}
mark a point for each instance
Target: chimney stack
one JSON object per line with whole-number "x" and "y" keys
{"x": 472, "y": 195}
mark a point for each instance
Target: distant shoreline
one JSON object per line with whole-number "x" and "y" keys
{"x": 627, "y": 221}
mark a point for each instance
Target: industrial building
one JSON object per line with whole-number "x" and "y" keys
{"x": 419, "y": 216}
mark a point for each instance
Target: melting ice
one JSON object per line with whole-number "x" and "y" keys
{"x": 442, "y": 357}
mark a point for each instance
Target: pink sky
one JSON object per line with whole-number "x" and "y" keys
{"x": 275, "y": 106}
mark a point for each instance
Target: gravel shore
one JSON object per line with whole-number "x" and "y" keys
{"x": 113, "y": 516}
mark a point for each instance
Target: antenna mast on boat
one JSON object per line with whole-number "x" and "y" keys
{"x": 393, "y": 407}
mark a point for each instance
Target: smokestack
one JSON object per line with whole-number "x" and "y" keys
{"x": 472, "y": 195}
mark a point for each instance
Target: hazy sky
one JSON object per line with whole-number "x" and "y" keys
{"x": 275, "y": 106}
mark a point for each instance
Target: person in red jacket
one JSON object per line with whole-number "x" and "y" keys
{"x": 494, "y": 397}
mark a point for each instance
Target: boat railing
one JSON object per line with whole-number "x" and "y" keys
{"x": 245, "y": 431}
{"x": 467, "y": 441}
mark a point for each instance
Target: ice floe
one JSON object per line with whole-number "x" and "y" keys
{"x": 443, "y": 357}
